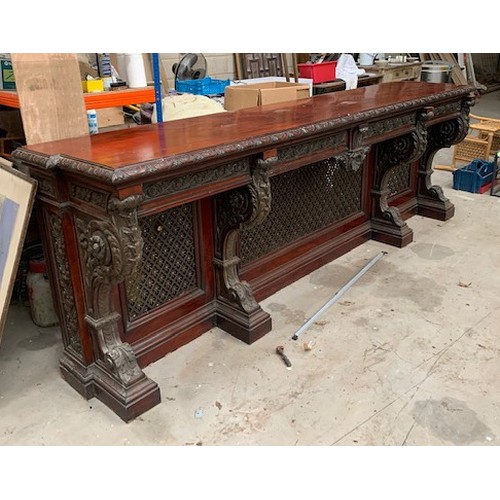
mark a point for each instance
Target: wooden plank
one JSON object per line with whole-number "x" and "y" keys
{"x": 148, "y": 68}
{"x": 237, "y": 64}
{"x": 50, "y": 96}
{"x": 448, "y": 168}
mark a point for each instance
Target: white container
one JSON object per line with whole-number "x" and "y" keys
{"x": 136, "y": 73}
{"x": 366, "y": 59}
{"x": 40, "y": 296}
{"x": 92, "y": 121}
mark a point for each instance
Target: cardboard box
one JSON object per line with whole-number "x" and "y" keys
{"x": 7, "y": 81}
{"x": 109, "y": 117}
{"x": 259, "y": 94}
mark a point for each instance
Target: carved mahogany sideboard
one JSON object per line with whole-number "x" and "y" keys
{"x": 157, "y": 233}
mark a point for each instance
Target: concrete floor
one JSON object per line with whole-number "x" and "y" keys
{"x": 407, "y": 357}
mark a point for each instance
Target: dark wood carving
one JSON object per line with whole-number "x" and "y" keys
{"x": 237, "y": 310}
{"x": 111, "y": 250}
{"x": 310, "y": 147}
{"x": 354, "y": 157}
{"x": 387, "y": 224}
{"x": 390, "y": 124}
{"x": 90, "y": 196}
{"x": 431, "y": 200}
{"x": 157, "y": 233}
{"x": 71, "y": 337}
{"x": 163, "y": 188}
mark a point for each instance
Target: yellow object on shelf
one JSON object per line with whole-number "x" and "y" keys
{"x": 93, "y": 85}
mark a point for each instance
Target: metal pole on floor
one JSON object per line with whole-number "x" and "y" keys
{"x": 337, "y": 295}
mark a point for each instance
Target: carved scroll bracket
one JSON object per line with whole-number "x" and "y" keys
{"x": 111, "y": 251}
{"x": 431, "y": 200}
{"x": 387, "y": 221}
{"x": 238, "y": 311}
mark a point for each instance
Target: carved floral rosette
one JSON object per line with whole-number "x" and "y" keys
{"x": 111, "y": 251}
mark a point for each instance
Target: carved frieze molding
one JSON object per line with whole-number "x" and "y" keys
{"x": 390, "y": 124}
{"x": 193, "y": 180}
{"x": 111, "y": 251}
{"x": 295, "y": 151}
{"x": 45, "y": 186}
{"x": 90, "y": 196}
{"x": 269, "y": 141}
{"x": 62, "y": 272}
{"x": 446, "y": 109}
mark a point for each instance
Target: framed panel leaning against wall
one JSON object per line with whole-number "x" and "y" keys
{"x": 17, "y": 193}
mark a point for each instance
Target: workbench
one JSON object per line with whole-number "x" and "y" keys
{"x": 155, "y": 234}
{"x": 396, "y": 72}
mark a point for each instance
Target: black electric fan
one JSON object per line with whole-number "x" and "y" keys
{"x": 190, "y": 67}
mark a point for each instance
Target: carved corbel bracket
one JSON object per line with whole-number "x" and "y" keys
{"x": 387, "y": 223}
{"x": 237, "y": 310}
{"x": 354, "y": 157}
{"x": 431, "y": 200}
{"x": 353, "y": 160}
{"x": 111, "y": 251}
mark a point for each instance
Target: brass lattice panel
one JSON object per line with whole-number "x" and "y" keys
{"x": 303, "y": 201}
{"x": 399, "y": 179}
{"x": 168, "y": 267}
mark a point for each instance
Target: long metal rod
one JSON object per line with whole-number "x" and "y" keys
{"x": 337, "y": 295}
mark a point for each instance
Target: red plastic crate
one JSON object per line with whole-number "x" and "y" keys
{"x": 319, "y": 72}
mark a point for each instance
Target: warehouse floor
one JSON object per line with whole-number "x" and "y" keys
{"x": 409, "y": 356}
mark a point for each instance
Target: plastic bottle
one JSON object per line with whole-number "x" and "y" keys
{"x": 40, "y": 297}
{"x": 92, "y": 120}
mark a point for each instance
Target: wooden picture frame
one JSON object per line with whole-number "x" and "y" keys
{"x": 17, "y": 194}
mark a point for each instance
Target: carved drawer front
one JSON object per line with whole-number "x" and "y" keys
{"x": 168, "y": 268}
{"x": 304, "y": 201}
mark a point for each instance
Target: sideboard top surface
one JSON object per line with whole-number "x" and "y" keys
{"x": 121, "y": 148}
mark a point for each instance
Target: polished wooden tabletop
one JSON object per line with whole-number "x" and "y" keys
{"x": 113, "y": 150}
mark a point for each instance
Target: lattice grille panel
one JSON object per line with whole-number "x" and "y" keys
{"x": 169, "y": 263}
{"x": 399, "y": 179}
{"x": 303, "y": 201}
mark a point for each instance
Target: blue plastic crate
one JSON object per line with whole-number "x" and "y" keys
{"x": 203, "y": 86}
{"x": 471, "y": 177}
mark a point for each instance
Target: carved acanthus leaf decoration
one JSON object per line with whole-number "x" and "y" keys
{"x": 111, "y": 251}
